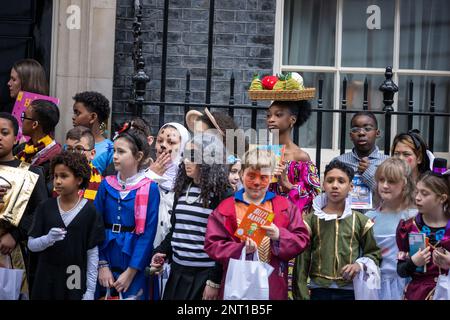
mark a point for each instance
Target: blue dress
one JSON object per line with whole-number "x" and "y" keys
{"x": 127, "y": 249}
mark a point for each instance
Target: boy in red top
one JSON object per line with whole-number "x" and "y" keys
{"x": 285, "y": 238}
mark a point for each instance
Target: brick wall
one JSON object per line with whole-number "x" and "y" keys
{"x": 243, "y": 44}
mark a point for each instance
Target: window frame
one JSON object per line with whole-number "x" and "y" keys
{"x": 337, "y": 70}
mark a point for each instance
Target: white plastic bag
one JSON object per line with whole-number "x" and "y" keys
{"x": 367, "y": 282}
{"x": 10, "y": 280}
{"x": 442, "y": 291}
{"x": 119, "y": 297}
{"x": 247, "y": 280}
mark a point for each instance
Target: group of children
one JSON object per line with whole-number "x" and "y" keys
{"x": 107, "y": 210}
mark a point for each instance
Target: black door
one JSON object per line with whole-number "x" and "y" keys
{"x": 25, "y": 32}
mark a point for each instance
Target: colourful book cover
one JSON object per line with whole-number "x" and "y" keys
{"x": 23, "y": 101}
{"x": 277, "y": 149}
{"x": 254, "y": 218}
{"x": 361, "y": 194}
{"x": 417, "y": 241}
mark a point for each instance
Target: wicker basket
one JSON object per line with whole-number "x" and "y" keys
{"x": 305, "y": 94}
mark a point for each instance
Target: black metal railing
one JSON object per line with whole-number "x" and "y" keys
{"x": 388, "y": 89}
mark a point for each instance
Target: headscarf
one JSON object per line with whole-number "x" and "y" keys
{"x": 171, "y": 172}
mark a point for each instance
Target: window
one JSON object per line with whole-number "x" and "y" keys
{"x": 357, "y": 39}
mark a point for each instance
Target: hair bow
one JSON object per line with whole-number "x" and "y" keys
{"x": 125, "y": 127}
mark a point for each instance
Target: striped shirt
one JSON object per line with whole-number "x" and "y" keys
{"x": 188, "y": 237}
{"x": 375, "y": 159}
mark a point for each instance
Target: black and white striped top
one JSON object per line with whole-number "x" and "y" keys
{"x": 188, "y": 236}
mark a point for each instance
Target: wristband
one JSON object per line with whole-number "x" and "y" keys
{"x": 211, "y": 284}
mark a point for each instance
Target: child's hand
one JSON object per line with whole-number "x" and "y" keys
{"x": 7, "y": 244}
{"x": 124, "y": 280}
{"x": 250, "y": 245}
{"x": 157, "y": 262}
{"x": 272, "y": 232}
{"x": 210, "y": 293}
{"x": 441, "y": 258}
{"x": 349, "y": 271}
{"x": 281, "y": 173}
{"x": 3, "y": 191}
{"x": 160, "y": 165}
{"x": 56, "y": 234}
{"x": 421, "y": 257}
{"x": 105, "y": 277}
{"x": 363, "y": 165}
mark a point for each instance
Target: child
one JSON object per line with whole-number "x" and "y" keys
{"x": 129, "y": 204}
{"x": 234, "y": 176}
{"x": 285, "y": 238}
{"x": 13, "y": 235}
{"x": 170, "y": 143}
{"x": 297, "y": 177}
{"x": 81, "y": 140}
{"x": 91, "y": 109}
{"x": 202, "y": 182}
{"x": 341, "y": 241}
{"x": 411, "y": 148}
{"x": 365, "y": 156}
{"x": 66, "y": 232}
{"x": 433, "y": 219}
{"x": 38, "y": 122}
{"x": 395, "y": 188}
{"x": 143, "y": 125}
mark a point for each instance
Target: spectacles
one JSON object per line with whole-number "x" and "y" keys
{"x": 365, "y": 129}
{"x": 23, "y": 117}
{"x": 77, "y": 149}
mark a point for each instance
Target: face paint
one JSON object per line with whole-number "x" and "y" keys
{"x": 256, "y": 179}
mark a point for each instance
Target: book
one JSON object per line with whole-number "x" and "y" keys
{"x": 254, "y": 218}
{"x": 23, "y": 101}
{"x": 361, "y": 194}
{"x": 417, "y": 241}
{"x": 277, "y": 149}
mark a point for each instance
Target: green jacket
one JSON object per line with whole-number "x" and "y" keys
{"x": 333, "y": 244}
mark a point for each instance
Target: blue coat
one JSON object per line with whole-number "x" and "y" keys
{"x": 127, "y": 249}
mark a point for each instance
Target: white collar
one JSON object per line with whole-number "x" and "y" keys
{"x": 320, "y": 202}
{"x": 131, "y": 181}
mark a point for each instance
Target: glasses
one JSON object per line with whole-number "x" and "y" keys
{"x": 23, "y": 117}
{"x": 364, "y": 129}
{"x": 77, "y": 149}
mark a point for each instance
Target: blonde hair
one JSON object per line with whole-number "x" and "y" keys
{"x": 397, "y": 170}
{"x": 258, "y": 159}
{"x": 439, "y": 185}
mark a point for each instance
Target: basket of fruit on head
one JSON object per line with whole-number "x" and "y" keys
{"x": 280, "y": 87}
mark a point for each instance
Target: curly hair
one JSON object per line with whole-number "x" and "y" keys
{"x": 300, "y": 109}
{"x": 94, "y": 102}
{"x": 76, "y": 162}
{"x": 336, "y": 164}
{"x": 213, "y": 177}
